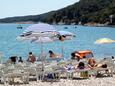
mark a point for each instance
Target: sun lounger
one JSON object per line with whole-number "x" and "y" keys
{"x": 51, "y": 74}
{"x": 105, "y": 70}
{"x": 11, "y": 73}
{"x": 83, "y": 73}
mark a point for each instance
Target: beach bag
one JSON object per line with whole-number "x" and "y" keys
{"x": 84, "y": 74}
{"x": 50, "y": 76}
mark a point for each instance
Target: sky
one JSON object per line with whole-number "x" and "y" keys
{"x": 11, "y": 8}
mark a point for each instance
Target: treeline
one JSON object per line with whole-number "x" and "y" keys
{"x": 84, "y": 11}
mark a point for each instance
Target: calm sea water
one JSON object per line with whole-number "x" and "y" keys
{"x": 85, "y": 38}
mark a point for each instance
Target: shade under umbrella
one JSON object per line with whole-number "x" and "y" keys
{"x": 42, "y": 40}
{"x": 104, "y": 41}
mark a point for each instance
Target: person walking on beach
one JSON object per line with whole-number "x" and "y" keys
{"x": 31, "y": 58}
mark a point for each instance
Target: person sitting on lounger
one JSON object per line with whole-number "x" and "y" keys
{"x": 31, "y": 57}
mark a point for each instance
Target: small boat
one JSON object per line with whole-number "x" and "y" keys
{"x": 65, "y": 27}
{"x": 75, "y": 27}
{"x": 19, "y": 27}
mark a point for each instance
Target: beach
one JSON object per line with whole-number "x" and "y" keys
{"x": 103, "y": 81}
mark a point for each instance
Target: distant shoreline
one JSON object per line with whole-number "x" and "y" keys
{"x": 113, "y": 26}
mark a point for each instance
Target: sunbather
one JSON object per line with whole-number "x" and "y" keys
{"x": 81, "y": 65}
{"x": 91, "y": 63}
{"x": 53, "y": 55}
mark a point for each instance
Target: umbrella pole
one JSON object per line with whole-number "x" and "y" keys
{"x": 41, "y": 56}
{"x": 41, "y": 48}
{"x": 62, "y": 50}
{"x": 0, "y": 57}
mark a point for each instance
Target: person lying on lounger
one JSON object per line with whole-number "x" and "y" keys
{"x": 91, "y": 63}
{"x": 53, "y": 55}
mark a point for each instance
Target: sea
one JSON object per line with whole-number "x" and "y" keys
{"x": 84, "y": 40}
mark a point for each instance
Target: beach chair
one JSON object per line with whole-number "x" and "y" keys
{"x": 39, "y": 71}
{"x": 2, "y": 78}
{"x": 106, "y": 69}
{"x": 13, "y": 74}
{"x": 51, "y": 74}
{"x": 32, "y": 72}
{"x": 81, "y": 73}
{"x": 69, "y": 71}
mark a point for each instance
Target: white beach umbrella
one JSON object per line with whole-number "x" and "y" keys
{"x": 40, "y": 32}
{"x": 104, "y": 41}
{"x": 40, "y": 27}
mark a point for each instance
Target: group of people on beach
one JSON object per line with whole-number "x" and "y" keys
{"x": 88, "y": 63}
{"x": 31, "y": 58}
{"x": 84, "y": 62}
